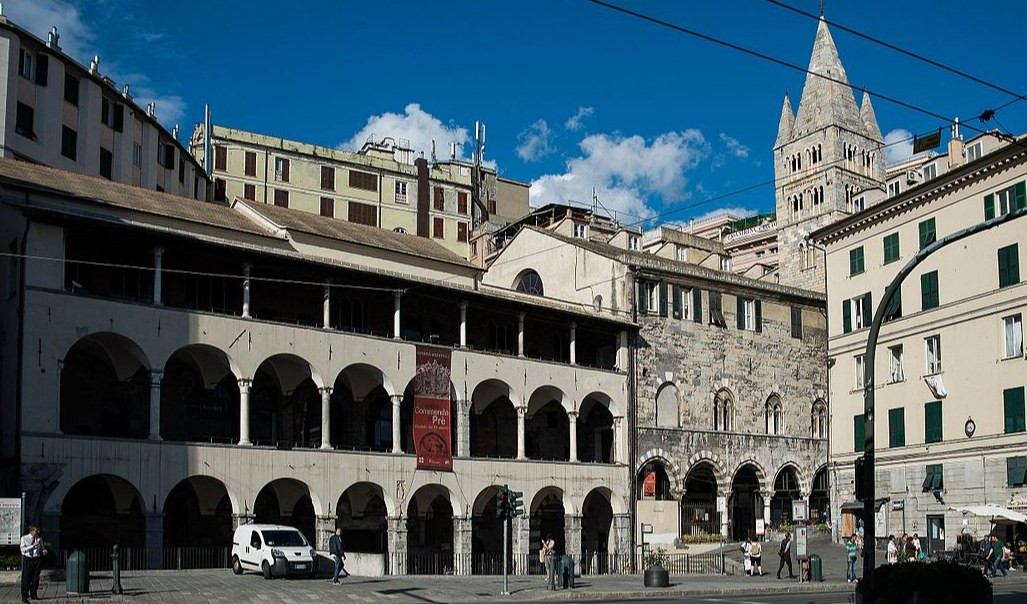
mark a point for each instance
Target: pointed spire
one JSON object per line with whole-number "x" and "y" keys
{"x": 826, "y": 101}
{"x": 866, "y": 113}
{"x": 784, "y": 127}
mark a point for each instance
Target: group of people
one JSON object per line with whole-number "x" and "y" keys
{"x": 752, "y": 555}
{"x": 996, "y": 555}
{"x": 905, "y": 549}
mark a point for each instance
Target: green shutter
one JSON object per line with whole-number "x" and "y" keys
{"x": 894, "y": 307}
{"x": 1016, "y": 471}
{"x": 935, "y": 478}
{"x": 891, "y": 248}
{"x": 663, "y": 298}
{"x": 759, "y": 317}
{"x": 928, "y": 233}
{"x": 856, "y": 264}
{"x": 676, "y": 295}
{"x": 846, "y": 316}
{"x": 932, "y": 422}
{"x": 1012, "y": 399}
{"x": 643, "y": 298}
{"x": 929, "y": 297}
{"x": 868, "y": 309}
{"x": 989, "y": 206}
{"x": 896, "y": 427}
{"x": 1009, "y": 265}
{"x": 697, "y": 305}
{"x": 858, "y": 433}
{"x": 740, "y": 312}
{"x": 1020, "y": 195}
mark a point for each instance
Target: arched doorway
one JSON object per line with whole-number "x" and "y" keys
{"x": 363, "y": 518}
{"x": 198, "y": 513}
{"x": 285, "y": 404}
{"x": 547, "y": 429}
{"x": 547, "y": 518}
{"x": 430, "y": 532}
{"x": 699, "y": 502}
{"x": 362, "y": 409}
{"x": 656, "y": 473}
{"x": 820, "y": 498}
{"x": 101, "y": 511}
{"x": 286, "y": 501}
{"x": 492, "y": 416}
{"x": 487, "y": 534}
{"x": 199, "y": 396}
{"x": 105, "y": 388}
{"x": 596, "y": 531}
{"x": 746, "y": 502}
{"x": 595, "y": 430}
{"x": 786, "y": 490}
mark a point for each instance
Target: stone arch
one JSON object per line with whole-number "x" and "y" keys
{"x": 773, "y": 415}
{"x": 760, "y": 471}
{"x": 663, "y": 458}
{"x": 487, "y": 533}
{"x": 803, "y": 484}
{"x": 198, "y": 511}
{"x": 362, "y": 512}
{"x": 787, "y": 487}
{"x": 289, "y": 501}
{"x": 820, "y": 495}
{"x": 407, "y": 418}
{"x": 598, "y": 537}
{"x": 547, "y": 424}
{"x": 285, "y": 402}
{"x": 105, "y": 383}
{"x": 617, "y": 502}
{"x": 430, "y": 511}
{"x": 747, "y": 498}
{"x": 819, "y": 419}
{"x": 493, "y": 410}
{"x": 707, "y": 456}
{"x": 200, "y": 395}
{"x": 102, "y": 510}
{"x": 596, "y": 436}
{"x": 361, "y": 408}
{"x": 668, "y": 406}
{"x": 546, "y": 516}
{"x": 723, "y": 409}
{"x": 699, "y": 499}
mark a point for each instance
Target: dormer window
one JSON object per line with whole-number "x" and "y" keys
{"x": 580, "y": 230}
{"x": 633, "y": 243}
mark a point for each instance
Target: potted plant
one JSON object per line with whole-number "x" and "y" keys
{"x": 655, "y": 575}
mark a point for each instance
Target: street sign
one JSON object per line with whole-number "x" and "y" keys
{"x": 646, "y": 528}
{"x": 10, "y": 521}
{"x": 799, "y": 510}
{"x": 898, "y": 505}
{"x": 722, "y": 505}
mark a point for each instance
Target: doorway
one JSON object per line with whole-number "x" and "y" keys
{"x": 935, "y": 534}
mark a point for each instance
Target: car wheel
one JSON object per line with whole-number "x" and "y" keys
{"x": 266, "y": 569}
{"x": 236, "y": 565}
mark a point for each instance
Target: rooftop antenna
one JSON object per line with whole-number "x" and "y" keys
{"x": 452, "y": 151}
{"x": 955, "y": 129}
{"x": 478, "y": 191}
{"x": 53, "y": 38}
{"x": 208, "y": 165}
{"x": 433, "y": 158}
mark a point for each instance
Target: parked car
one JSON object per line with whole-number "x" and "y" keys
{"x": 272, "y": 550}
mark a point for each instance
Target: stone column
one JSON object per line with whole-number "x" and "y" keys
{"x": 325, "y": 529}
{"x": 522, "y": 549}
{"x": 766, "y": 510}
{"x": 573, "y": 343}
{"x": 397, "y": 432}
{"x": 397, "y": 546}
{"x": 326, "y": 418}
{"x": 158, "y": 257}
{"x": 244, "y": 411}
{"x": 620, "y": 545}
{"x": 572, "y": 539}
{"x": 396, "y": 297}
{"x": 461, "y": 545}
{"x": 463, "y": 429}
{"x": 52, "y": 529}
{"x": 246, "y": 291}
{"x": 521, "y": 412}
{"x": 463, "y": 324}
{"x": 155, "y": 377}
{"x": 326, "y": 306}
{"x": 154, "y": 539}
{"x": 619, "y": 440}
{"x": 572, "y": 422}
{"x": 520, "y": 334}
{"x": 622, "y": 350}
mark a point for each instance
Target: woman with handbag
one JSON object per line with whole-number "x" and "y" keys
{"x": 548, "y": 554}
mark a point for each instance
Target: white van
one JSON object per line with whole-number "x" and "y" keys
{"x": 272, "y": 550}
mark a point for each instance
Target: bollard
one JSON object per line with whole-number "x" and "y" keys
{"x": 116, "y": 587}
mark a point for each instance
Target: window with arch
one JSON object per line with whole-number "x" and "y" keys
{"x": 818, "y": 420}
{"x": 723, "y": 411}
{"x": 529, "y": 282}
{"x": 667, "y": 415}
{"x": 772, "y": 415}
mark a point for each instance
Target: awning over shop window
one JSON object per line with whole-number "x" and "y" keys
{"x": 856, "y": 507}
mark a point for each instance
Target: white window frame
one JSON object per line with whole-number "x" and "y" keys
{"x": 859, "y": 204}
{"x": 930, "y": 171}
{"x": 25, "y": 68}
{"x": 580, "y": 230}
{"x": 401, "y": 191}
{"x": 895, "y": 373}
{"x": 633, "y": 242}
{"x": 686, "y": 302}
{"x": 749, "y": 308}
{"x": 652, "y": 293}
{"x": 894, "y": 188}
{"x": 681, "y": 252}
{"x": 857, "y": 313}
{"x": 974, "y": 151}
{"x": 1012, "y": 336}
{"x": 859, "y": 374}
{"x": 1005, "y": 201}
{"x": 725, "y": 263}
{"x": 932, "y": 350}
{"x": 279, "y": 168}
{"x": 137, "y": 155}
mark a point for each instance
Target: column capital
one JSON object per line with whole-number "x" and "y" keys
{"x": 397, "y": 400}
{"x": 325, "y": 390}
{"x": 246, "y": 268}
{"x": 245, "y": 382}
{"x": 572, "y": 414}
{"x": 521, "y": 315}
{"x": 574, "y": 324}
{"x": 463, "y": 304}
{"x": 156, "y": 375}
{"x": 158, "y": 251}
{"x": 397, "y": 294}
{"x": 522, "y": 411}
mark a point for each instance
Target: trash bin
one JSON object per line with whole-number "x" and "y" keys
{"x": 77, "y": 574}
{"x": 566, "y": 571}
{"x": 816, "y": 568}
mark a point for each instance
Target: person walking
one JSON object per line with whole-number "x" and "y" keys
{"x": 786, "y": 556}
{"x": 851, "y": 555}
{"x": 746, "y": 555}
{"x": 338, "y": 554}
{"x": 996, "y": 557}
{"x": 549, "y": 553}
{"x": 32, "y": 553}
{"x": 756, "y": 555}
{"x": 893, "y": 550}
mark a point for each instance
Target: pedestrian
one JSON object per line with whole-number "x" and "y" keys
{"x": 756, "y": 555}
{"x": 786, "y": 556}
{"x": 987, "y": 553}
{"x": 852, "y": 550}
{"x": 893, "y": 550}
{"x": 549, "y": 554}
{"x": 916, "y": 546}
{"x": 338, "y": 554}
{"x": 996, "y": 557}
{"x": 746, "y": 556}
{"x": 32, "y": 553}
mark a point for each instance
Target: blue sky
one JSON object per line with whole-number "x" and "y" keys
{"x": 574, "y": 96}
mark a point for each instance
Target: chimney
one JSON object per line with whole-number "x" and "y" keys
{"x": 53, "y": 38}
{"x": 956, "y": 148}
{"x": 125, "y": 93}
{"x": 94, "y": 66}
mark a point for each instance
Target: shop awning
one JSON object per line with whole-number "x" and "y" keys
{"x": 856, "y": 507}
{"x": 997, "y": 513}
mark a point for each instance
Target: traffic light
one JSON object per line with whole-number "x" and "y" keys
{"x": 503, "y": 502}
{"x": 515, "y": 503}
{"x": 859, "y": 482}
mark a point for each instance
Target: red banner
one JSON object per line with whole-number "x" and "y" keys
{"x": 432, "y": 417}
{"x": 649, "y": 485}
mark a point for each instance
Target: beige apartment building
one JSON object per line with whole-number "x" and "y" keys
{"x": 950, "y": 368}
{"x": 381, "y": 185}
{"x": 56, "y": 112}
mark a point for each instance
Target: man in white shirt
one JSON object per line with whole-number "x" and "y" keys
{"x": 31, "y": 558}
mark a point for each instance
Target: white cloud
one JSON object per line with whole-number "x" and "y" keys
{"x": 535, "y": 142}
{"x": 734, "y": 147}
{"x": 77, "y": 39}
{"x": 574, "y": 122}
{"x": 895, "y": 151}
{"x": 415, "y": 125}
{"x": 736, "y": 210}
{"x": 628, "y": 173}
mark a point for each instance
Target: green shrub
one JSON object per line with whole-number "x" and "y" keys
{"x": 10, "y": 562}
{"x": 657, "y": 557}
{"x": 937, "y": 582}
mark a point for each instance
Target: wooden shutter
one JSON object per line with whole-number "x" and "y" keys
{"x": 461, "y": 232}
{"x": 169, "y": 156}
{"x": 249, "y": 192}
{"x": 796, "y": 322}
{"x": 858, "y": 433}
{"x": 362, "y": 213}
{"x": 759, "y": 316}
{"x": 1016, "y": 471}
{"x": 675, "y": 294}
{"x": 328, "y": 207}
{"x": 1008, "y": 265}
{"x": 281, "y": 198}
{"x": 740, "y": 310}
{"x": 663, "y": 298}
{"x": 932, "y": 422}
{"x": 868, "y": 309}
{"x": 440, "y": 199}
{"x": 643, "y": 297}
{"x": 327, "y": 178}
{"x": 251, "y": 163}
{"x": 989, "y": 206}
{"x": 846, "y": 316}
{"x": 438, "y": 228}
{"x": 896, "y": 427}
{"x": 1013, "y": 401}
{"x": 697, "y": 305}
{"x": 1020, "y": 195}
{"x": 119, "y": 117}
{"x": 42, "y": 69}
{"x": 461, "y": 202}
{"x": 220, "y": 158}
{"x": 285, "y": 170}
